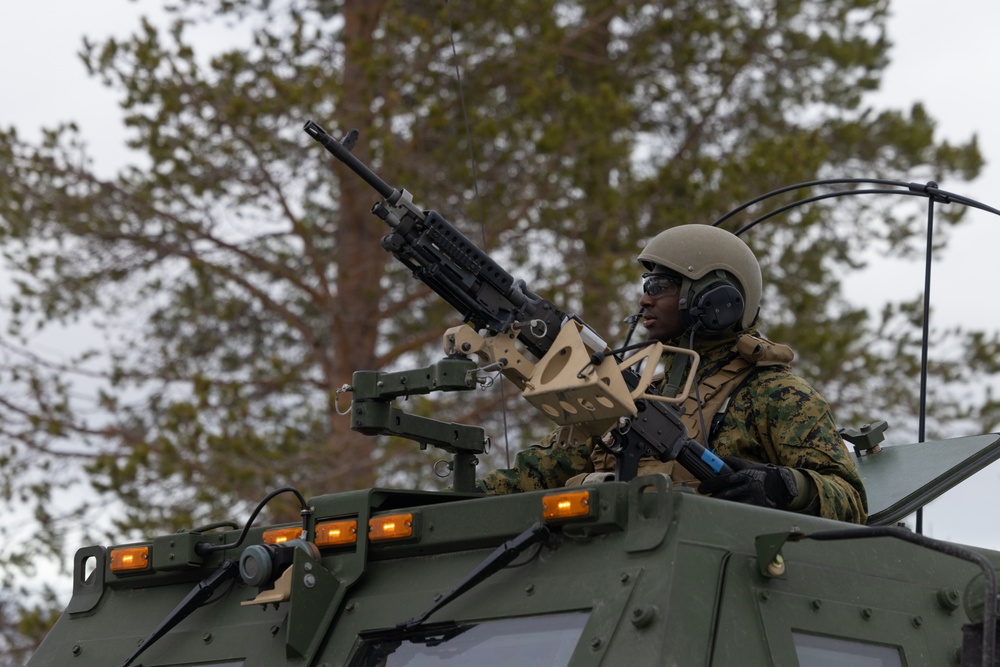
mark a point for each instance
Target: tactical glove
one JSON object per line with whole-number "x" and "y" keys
{"x": 754, "y": 483}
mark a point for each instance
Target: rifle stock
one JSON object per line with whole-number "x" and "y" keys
{"x": 488, "y": 297}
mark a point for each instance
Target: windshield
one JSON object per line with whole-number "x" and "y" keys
{"x": 532, "y": 641}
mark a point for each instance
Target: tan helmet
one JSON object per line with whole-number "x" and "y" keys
{"x": 698, "y": 252}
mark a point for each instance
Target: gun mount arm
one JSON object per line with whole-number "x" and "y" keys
{"x": 373, "y": 414}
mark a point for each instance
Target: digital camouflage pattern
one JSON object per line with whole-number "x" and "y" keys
{"x": 774, "y": 417}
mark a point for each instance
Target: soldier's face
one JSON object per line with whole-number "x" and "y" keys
{"x": 661, "y": 315}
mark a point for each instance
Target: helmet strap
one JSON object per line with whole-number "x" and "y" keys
{"x": 675, "y": 377}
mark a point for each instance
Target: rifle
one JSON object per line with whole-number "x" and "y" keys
{"x": 576, "y": 381}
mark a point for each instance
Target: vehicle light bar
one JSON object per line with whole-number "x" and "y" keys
{"x": 282, "y": 535}
{"x": 129, "y": 559}
{"x": 566, "y": 505}
{"x": 336, "y": 533}
{"x": 390, "y": 527}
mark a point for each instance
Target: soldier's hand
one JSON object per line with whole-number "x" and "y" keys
{"x": 754, "y": 483}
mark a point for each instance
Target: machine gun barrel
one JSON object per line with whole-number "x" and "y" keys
{"x": 342, "y": 151}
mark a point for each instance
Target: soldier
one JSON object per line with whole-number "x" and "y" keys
{"x": 702, "y": 291}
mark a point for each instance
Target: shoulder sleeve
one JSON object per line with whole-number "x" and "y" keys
{"x": 778, "y": 417}
{"x": 543, "y": 466}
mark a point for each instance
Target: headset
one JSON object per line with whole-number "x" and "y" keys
{"x": 714, "y": 302}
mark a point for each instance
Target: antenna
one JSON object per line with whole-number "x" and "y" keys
{"x": 479, "y": 201}
{"x": 933, "y": 194}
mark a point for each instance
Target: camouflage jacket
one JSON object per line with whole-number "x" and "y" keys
{"x": 773, "y": 416}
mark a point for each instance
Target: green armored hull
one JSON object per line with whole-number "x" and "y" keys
{"x": 639, "y": 573}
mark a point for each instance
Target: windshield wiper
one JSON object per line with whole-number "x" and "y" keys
{"x": 193, "y": 600}
{"x": 503, "y": 556}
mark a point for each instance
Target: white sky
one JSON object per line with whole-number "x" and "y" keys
{"x": 946, "y": 55}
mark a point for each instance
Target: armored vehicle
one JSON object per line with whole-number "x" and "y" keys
{"x": 634, "y": 571}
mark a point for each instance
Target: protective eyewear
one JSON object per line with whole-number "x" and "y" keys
{"x": 655, "y": 284}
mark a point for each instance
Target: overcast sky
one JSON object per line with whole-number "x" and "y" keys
{"x": 946, "y": 55}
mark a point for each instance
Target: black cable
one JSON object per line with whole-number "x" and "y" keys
{"x": 929, "y": 189}
{"x": 828, "y": 195}
{"x": 632, "y": 321}
{"x": 597, "y": 358}
{"x": 203, "y": 548}
{"x": 802, "y": 186}
{"x": 810, "y": 184}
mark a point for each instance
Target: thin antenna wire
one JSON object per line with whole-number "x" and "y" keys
{"x": 475, "y": 187}
{"x": 465, "y": 117}
{"x": 925, "y": 342}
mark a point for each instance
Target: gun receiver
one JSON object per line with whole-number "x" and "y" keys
{"x": 489, "y": 298}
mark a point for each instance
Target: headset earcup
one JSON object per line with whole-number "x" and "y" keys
{"x": 717, "y": 307}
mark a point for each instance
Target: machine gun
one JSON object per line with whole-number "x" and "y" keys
{"x": 576, "y": 382}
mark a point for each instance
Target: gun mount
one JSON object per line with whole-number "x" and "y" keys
{"x": 578, "y": 381}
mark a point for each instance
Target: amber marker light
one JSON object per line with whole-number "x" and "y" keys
{"x": 566, "y": 505}
{"x": 129, "y": 559}
{"x": 336, "y": 533}
{"x": 281, "y": 535}
{"x": 391, "y": 527}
